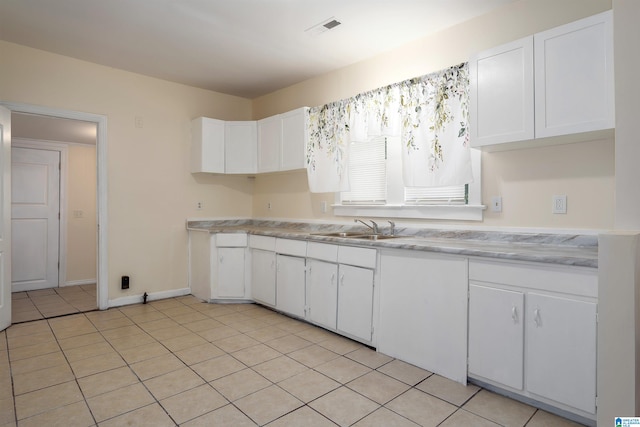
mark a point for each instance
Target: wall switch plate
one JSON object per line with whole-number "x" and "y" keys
{"x": 496, "y": 204}
{"x": 559, "y": 205}
{"x": 323, "y": 207}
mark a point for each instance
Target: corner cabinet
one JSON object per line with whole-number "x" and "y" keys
{"x": 219, "y": 146}
{"x": 218, "y": 266}
{"x": 282, "y": 141}
{"x": 554, "y": 83}
{"x": 532, "y": 331}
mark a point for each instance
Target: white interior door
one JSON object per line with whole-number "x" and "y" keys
{"x": 5, "y": 218}
{"x": 35, "y": 222}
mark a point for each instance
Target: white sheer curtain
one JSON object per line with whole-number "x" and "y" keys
{"x": 431, "y": 115}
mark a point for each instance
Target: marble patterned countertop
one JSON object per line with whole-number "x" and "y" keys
{"x": 564, "y": 249}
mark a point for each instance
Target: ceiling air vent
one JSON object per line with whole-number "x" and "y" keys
{"x": 326, "y": 25}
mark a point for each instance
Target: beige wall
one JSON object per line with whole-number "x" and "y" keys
{"x": 526, "y": 179}
{"x": 150, "y": 189}
{"x": 81, "y": 229}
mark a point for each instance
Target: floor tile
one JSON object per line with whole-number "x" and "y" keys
{"x": 202, "y": 325}
{"x": 93, "y": 365}
{"x": 31, "y": 339}
{"x": 143, "y": 352}
{"x": 342, "y": 369}
{"x": 76, "y": 414}
{"x": 544, "y": 419}
{"x": 228, "y": 415}
{"x": 39, "y": 362}
{"x": 157, "y": 366}
{"x": 173, "y": 383}
{"x": 87, "y": 351}
{"x": 193, "y": 403}
{"x": 43, "y": 378}
{"x": 219, "y": 333}
{"x": 313, "y": 355}
{"x": 80, "y": 341}
{"x": 120, "y": 401}
{"x": 218, "y": 367}
{"x": 256, "y": 354}
{"x": 378, "y": 387}
{"x": 499, "y": 409}
{"x": 447, "y": 389}
{"x": 279, "y": 369}
{"x": 464, "y": 418}
{"x": 421, "y": 408}
{"x": 104, "y": 382}
{"x": 387, "y": 418}
{"x": 147, "y": 416}
{"x": 240, "y": 384}
{"x": 340, "y": 345}
{"x": 44, "y": 400}
{"x": 304, "y": 416}
{"x": 184, "y": 341}
{"x": 288, "y": 343}
{"x": 268, "y": 333}
{"x": 193, "y": 355}
{"x": 267, "y": 404}
{"x": 344, "y": 406}
{"x": 404, "y": 372}
{"x": 368, "y": 357}
{"x": 33, "y": 350}
{"x": 28, "y": 329}
{"x": 235, "y": 343}
{"x": 309, "y": 385}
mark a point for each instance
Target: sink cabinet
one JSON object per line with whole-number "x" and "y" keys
{"x": 532, "y": 331}
{"x": 263, "y": 269}
{"x": 290, "y": 276}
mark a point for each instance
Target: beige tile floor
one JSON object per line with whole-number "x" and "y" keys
{"x": 52, "y": 302}
{"x": 183, "y": 362}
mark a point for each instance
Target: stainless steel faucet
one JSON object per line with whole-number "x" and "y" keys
{"x": 373, "y": 227}
{"x": 393, "y": 228}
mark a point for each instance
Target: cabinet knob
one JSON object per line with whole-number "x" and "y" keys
{"x": 536, "y": 317}
{"x": 514, "y": 314}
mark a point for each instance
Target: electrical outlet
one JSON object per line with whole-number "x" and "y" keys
{"x": 269, "y": 205}
{"x": 199, "y": 206}
{"x": 496, "y": 204}
{"x": 559, "y": 205}
{"x": 323, "y": 207}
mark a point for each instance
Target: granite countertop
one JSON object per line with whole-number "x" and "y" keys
{"x": 563, "y": 249}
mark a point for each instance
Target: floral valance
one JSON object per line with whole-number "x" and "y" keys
{"x": 429, "y": 113}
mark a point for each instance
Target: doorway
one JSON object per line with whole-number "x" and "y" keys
{"x": 101, "y": 294}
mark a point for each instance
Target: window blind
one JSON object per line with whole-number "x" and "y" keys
{"x": 456, "y": 194}
{"x": 367, "y": 172}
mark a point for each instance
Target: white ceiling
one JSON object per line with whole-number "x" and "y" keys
{"x": 246, "y": 48}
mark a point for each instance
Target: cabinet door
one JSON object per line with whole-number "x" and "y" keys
{"x": 355, "y": 301}
{"x": 240, "y": 147}
{"x": 574, "y": 77}
{"x": 263, "y": 272}
{"x": 561, "y": 350}
{"x": 231, "y": 272}
{"x": 207, "y": 145}
{"x": 290, "y": 284}
{"x": 322, "y": 293}
{"x": 269, "y": 139}
{"x": 294, "y": 139}
{"x": 501, "y": 94}
{"x": 496, "y": 335}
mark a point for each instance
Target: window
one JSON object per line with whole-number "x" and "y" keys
{"x": 377, "y": 188}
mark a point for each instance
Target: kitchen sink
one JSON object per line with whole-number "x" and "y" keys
{"x": 375, "y": 237}
{"x": 356, "y": 235}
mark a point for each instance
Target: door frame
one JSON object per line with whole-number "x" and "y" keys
{"x": 102, "y": 273}
{"x": 63, "y": 149}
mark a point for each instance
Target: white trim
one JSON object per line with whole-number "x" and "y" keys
{"x": 102, "y": 211}
{"x": 78, "y": 283}
{"x": 137, "y": 299}
{"x": 63, "y": 149}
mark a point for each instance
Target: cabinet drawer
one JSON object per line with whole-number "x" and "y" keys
{"x": 572, "y": 280}
{"x": 231, "y": 240}
{"x": 262, "y": 242}
{"x": 291, "y": 247}
{"x": 360, "y": 257}
{"x": 322, "y": 251}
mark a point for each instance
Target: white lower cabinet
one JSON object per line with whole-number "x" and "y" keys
{"x": 322, "y": 293}
{"x": 355, "y": 301}
{"x": 290, "y": 284}
{"x": 263, "y": 273}
{"x": 423, "y": 311}
{"x": 230, "y": 269}
{"x": 532, "y": 331}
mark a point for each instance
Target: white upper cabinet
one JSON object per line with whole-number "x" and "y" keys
{"x": 282, "y": 141}
{"x": 240, "y": 147}
{"x": 501, "y": 91}
{"x": 574, "y": 77}
{"x": 207, "y": 145}
{"x": 557, "y": 82}
{"x": 294, "y": 139}
{"x": 269, "y": 141}
{"x": 218, "y": 146}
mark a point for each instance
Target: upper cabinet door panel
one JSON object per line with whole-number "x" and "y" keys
{"x": 240, "y": 147}
{"x": 574, "y": 77}
{"x": 269, "y": 139}
{"x": 501, "y": 94}
{"x": 207, "y": 145}
{"x": 294, "y": 139}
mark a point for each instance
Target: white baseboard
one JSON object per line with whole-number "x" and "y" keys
{"x": 78, "y": 283}
{"x": 137, "y": 299}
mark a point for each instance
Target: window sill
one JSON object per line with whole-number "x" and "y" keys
{"x": 446, "y": 212}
